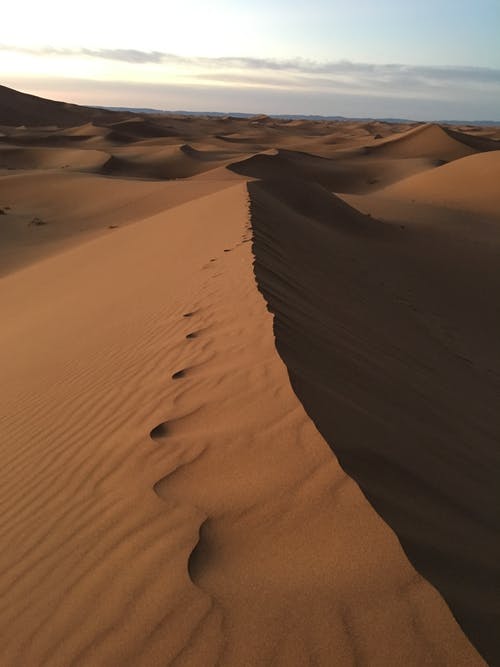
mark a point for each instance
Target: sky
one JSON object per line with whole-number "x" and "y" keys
{"x": 427, "y": 60}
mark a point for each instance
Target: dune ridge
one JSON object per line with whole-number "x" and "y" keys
{"x": 433, "y": 140}
{"x": 17, "y": 108}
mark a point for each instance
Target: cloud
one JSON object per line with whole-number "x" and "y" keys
{"x": 123, "y": 55}
{"x": 308, "y": 84}
{"x": 357, "y": 71}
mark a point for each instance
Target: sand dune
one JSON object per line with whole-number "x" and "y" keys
{"x": 166, "y": 162}
{"x": 397, "y": 369}
{"x": 17, "y": 109}
{"x": 238, "y": 138}
{"x": 51, "y": 158}
{"x": 319, "y": 573}
{"x": 470, "y": 184}
{"x": 430, "y": 141}
{"x": 87, "y": 130}
{"x": 48, "y": 139}
{"x": 190, "y": 479}
{"x": 488, "y": 141}
{"x": 348, "y": 171}
{"x": 74, "y": 207}
{"x": 138, "y": 128}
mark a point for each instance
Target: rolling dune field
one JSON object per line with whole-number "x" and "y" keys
{"x": 250, "y": 389}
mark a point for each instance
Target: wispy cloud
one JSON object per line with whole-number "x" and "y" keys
{"x": 342, "y": 68}
{"x": 415, "y": 89}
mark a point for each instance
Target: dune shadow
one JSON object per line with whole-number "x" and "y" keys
{"x": 413, "y": 424}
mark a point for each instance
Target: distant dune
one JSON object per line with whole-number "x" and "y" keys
{"x": 431, "y": 141}
{"x": 470, "y": 184}
{"x": 250, "y": 389}
{"x": 18, "y": 108}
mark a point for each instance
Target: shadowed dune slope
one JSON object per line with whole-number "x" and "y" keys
{"x": 18, "y": 108}
{"x": 52, "y": 139}
{"x": 166, "y": 162}
{"x": 488, "y": 141}
{"x": 51, "y": 158}
{"x": 351, "y": 172}
{"x": 135, "y": 129}
{"x": 399, "y": 370}
{"x": 138, "y": 128}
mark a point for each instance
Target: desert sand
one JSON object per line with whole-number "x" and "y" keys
{"x": 250, "y": 388}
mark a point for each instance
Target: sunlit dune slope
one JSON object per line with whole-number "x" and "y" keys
{"x": 431, "y": 141}
{"x": 471, "y": 184}
{"x": 71, "y": 207}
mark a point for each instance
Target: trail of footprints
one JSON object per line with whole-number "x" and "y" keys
{"x": 161, "y": 431}
{"x": 165, "y": 430}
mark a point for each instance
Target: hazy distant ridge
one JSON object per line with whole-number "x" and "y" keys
{"x": 239, "y": 114}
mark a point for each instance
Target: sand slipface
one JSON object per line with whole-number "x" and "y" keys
{"x": 168, "y": 495}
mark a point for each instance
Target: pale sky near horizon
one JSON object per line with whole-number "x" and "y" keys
{"x": 422, "y": 60}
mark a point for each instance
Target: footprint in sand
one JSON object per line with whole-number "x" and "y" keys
{"x": 159, "y": 432}
{"x": 169, "y": 428}
{"x": 202, "y": 554}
